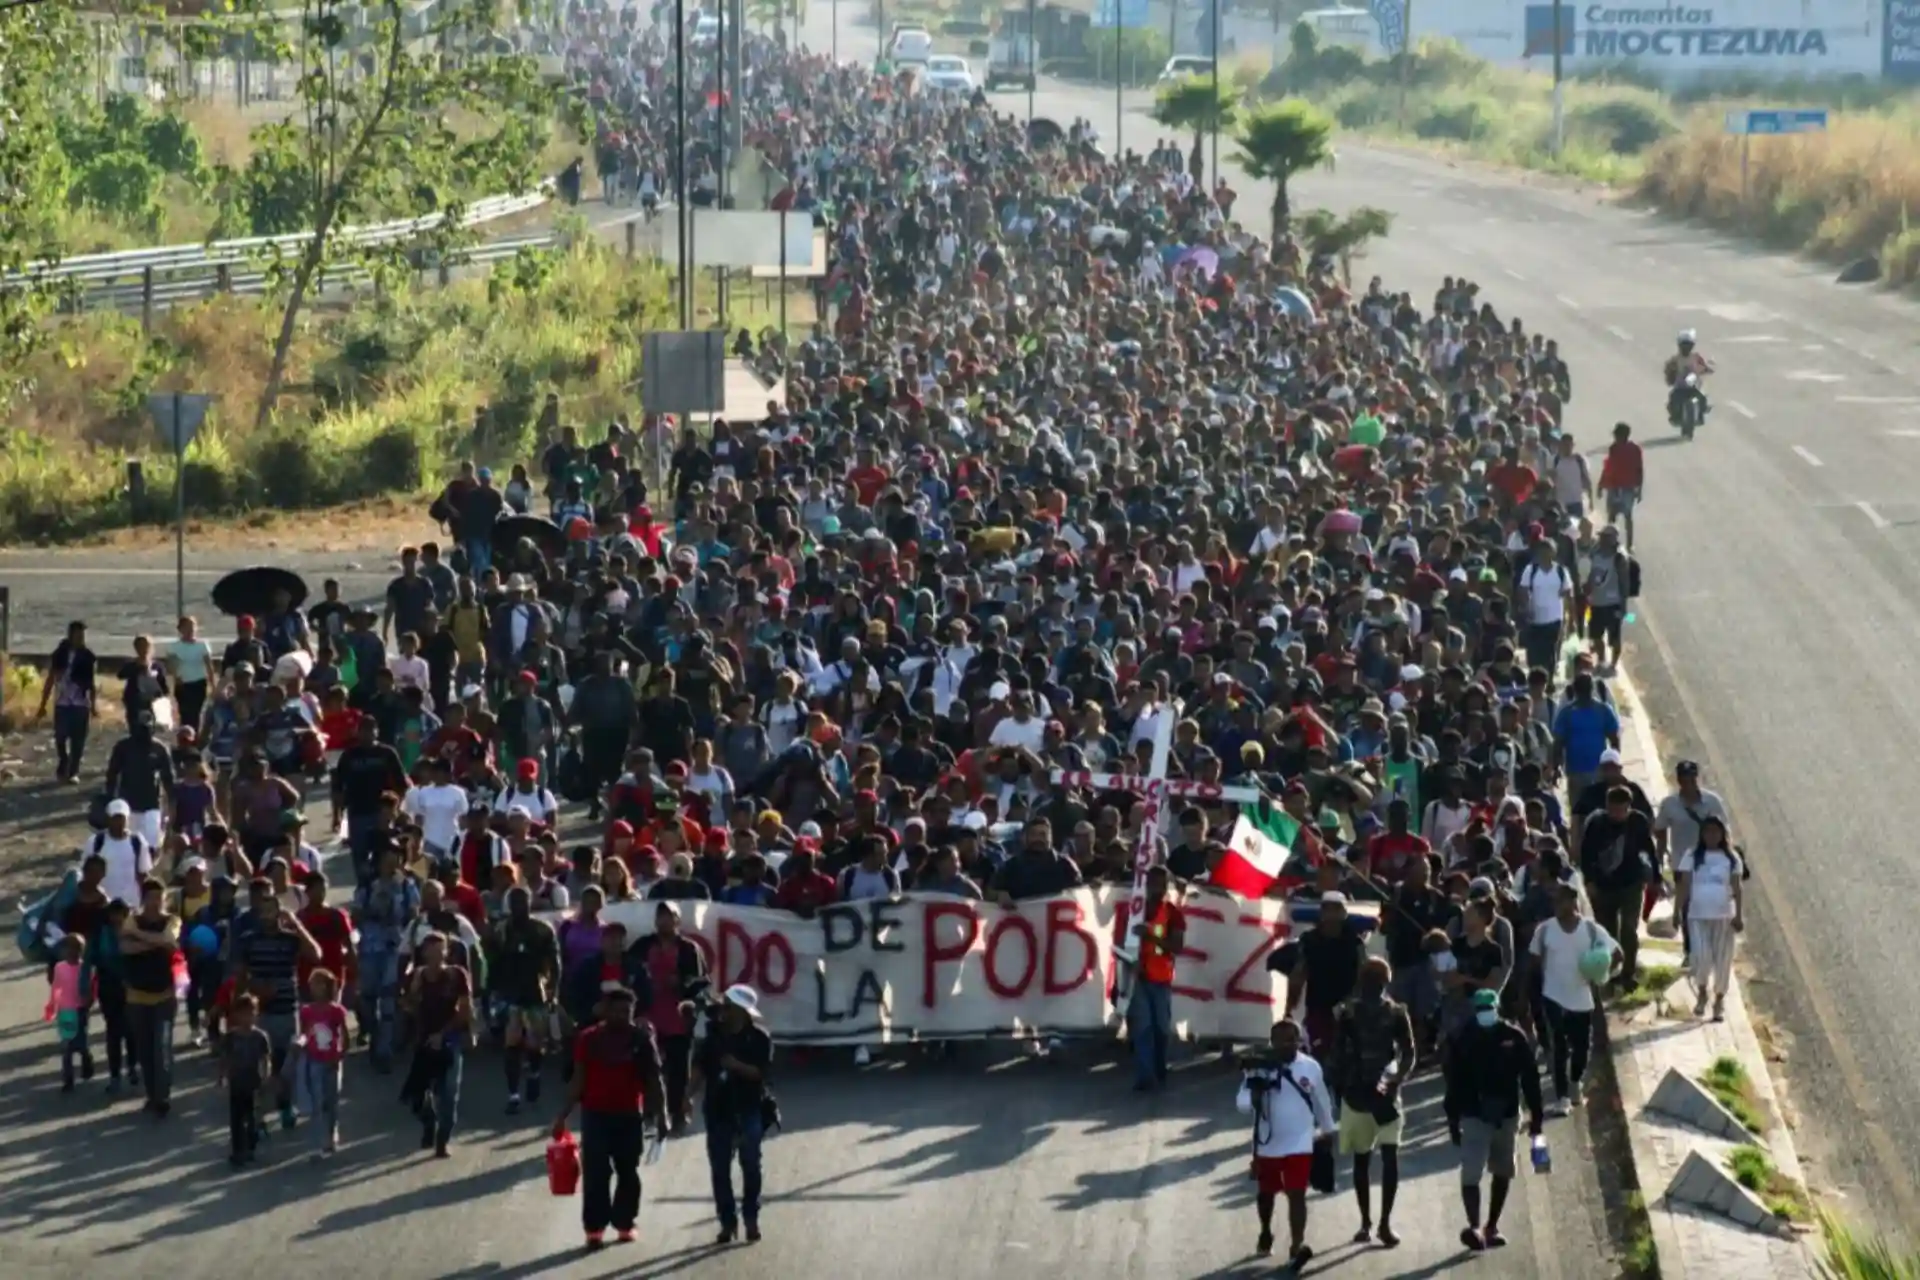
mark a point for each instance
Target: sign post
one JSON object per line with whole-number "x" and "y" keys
{"x": 1770, "y": 122}
{"x": 178, "y": 414}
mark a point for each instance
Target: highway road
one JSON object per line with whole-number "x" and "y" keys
{"x": 1774, "y": 644}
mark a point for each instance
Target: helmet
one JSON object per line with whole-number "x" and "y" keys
{"x": 1687, "y": 337}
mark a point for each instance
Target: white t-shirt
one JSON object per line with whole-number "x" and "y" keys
{"x": 1011, "y": 733}
{"x": 1713, "y": 872}
{"x": 129, "y": 859}
{"x": 1559, "y": 951}
{"x": 1544, "y": 586}
{"x": 438, "y": 809}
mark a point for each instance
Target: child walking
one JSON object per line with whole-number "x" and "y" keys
{"x": 246, "y": 1069}
{"x": 323, "y": 1047}
{"x": 68, "y": 1001}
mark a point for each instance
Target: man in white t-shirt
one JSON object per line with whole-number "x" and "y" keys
{"x": 438, "y": 807}
{"x": 1558, "y": 947}
{"x": 129, "y": 855}
{"x": 1022, "y": 728}
{"x": 1542, "y": 589}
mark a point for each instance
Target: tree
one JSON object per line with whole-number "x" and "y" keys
{"x": 1199, "y": 104}
{"x": 1279, "y": 140}
{"x": 1343, "y": 239}
{"x": 38, "y": 51}
{"x": 400, "y": 118}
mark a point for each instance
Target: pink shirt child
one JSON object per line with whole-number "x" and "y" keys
{"x": 325, "y": 1027}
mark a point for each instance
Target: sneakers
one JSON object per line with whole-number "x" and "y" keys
{"x": 287, "y": 1118}
{"x": 1558, "y": 1107}
{"x": 862, "y": 1056}
{"x": 1472, "y": 1238}
{"x": 513, "y": 1104}
{"x": 1493, "y": 1238}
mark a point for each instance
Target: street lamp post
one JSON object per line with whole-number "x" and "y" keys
{"x": 680, "y": 166}
{"x": 1213, "y": 7}
{"x": 1033, "y": 55}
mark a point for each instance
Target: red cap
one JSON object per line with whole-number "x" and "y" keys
{"x": 527, "y": 678}
{"x": 644, "y": 854}
{"x": 716, "y": 837}
{"x": 677, "y": 770}
{"x": 245, "y": 622}
{"x": 963, "y": 494}
{"x": 528, "y": 769}
{"x": 868, "y": 795}
{"x": 621, "y": 827}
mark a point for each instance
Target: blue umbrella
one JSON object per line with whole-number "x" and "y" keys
{"x": 1293, "y": 302}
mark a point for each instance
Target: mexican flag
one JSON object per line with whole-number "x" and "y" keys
{"x": 1258, "y": 851}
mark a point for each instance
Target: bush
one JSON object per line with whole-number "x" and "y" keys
{"x": 1454, "y": 119}
{"x": 397, "y": 456}
{"x": 122, "y": 185}
{"x": 1624, "y": 126}
{"x": 275, "y": 194}
{"x": 1142, "y": 53}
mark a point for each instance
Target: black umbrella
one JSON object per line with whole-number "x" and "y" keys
{"x": 1042, "y": 132}
{"x": 251, "y": 590}
{"x": 546, "y": 535}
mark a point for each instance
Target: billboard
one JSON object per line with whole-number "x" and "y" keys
{"x": 1797, "y": 38}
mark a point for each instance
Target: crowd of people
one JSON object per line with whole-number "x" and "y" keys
{"x": 1046, "y": 478}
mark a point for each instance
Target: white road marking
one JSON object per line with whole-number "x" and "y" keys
{"x": 1907, "y": 434}
{"x": 1879, "y": 521}
{"x": 1814, "y": 346}
{"x": 1566, "y": 302}
{"x": 1815, "y": 375}
{"x": 1877, "y": 399}
{"x": 1512, "y": 274}
{"x": 1741, "y": 409}
{"x": 1806, "y": 456}
{"x": 1619, "y": 333}
{"x": 1751, "y": 338}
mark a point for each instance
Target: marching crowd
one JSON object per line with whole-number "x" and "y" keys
{"x": 1077, "y": 452}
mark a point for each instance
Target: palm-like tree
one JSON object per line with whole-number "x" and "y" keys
{"x": 1279, "y": 140}
{"x": 1199, "y": 104}
{"x": 1343, "y": 239}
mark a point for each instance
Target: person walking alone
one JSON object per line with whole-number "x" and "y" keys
{"x": 1709, "y": 900}
{"x": 732, "y": 1073}
{"x": 1490, "y": 1075}
{"x": 616, "y": 1087}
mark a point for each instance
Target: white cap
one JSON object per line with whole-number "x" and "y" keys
{"x": 193, "y": 864}
{"x": 1411, "y": 672}
{"x": 1610, "y": 756}
{"x": 1333, "y": 898}
{"x": 810, "y": 830}
{"x": 119, "y": 809}
{"x": 742, "y": 996}
{"x": 519, "y": 811}
{"x": 999, "y": 690}
{"x": 975, "y": 821}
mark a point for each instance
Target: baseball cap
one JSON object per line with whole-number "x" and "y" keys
{"x": 1486, "y": 999}
{"x": 1333, "y": 898}
{"x": 119, "y": 809}
{"x": 1610, "y": 756}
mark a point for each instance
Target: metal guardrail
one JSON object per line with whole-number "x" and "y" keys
{"x": 144, "y": 278}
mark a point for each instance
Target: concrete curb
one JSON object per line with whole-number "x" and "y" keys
{"x": 1678, "y": 1148}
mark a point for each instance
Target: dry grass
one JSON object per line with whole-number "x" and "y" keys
{"x": 1841, "y": 194}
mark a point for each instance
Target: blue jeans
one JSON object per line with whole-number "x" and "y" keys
{"x": 380, "y": 1000}
{"x": 725, "y": 1135}
{"x": 479, "y": 555}
{"x": 1150, "y": 1023}
{"x": 360, "y": 832}
{"x": 320, "y": 1083}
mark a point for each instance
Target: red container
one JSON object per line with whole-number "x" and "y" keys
{"x": 563, "y": 1165}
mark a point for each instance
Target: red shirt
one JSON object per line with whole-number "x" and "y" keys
{"x": 1514, "y": 481}
{"x": 1156, "y": 959}
{"x": 612, "y": 1061}
{"x": 325, "y": 1027}
{"x": 869, "y": 481}
{"x": 466, "y": 899}
{"x": 813, "y": 889}
{"x": 1623, "y": 468}
{"x": 333, "y": 934}
{"x": 1389, "y": 855}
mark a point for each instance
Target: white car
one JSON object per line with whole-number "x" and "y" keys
{"x": 1180, "y": 66}
{"x": 948, "y": 74}
{"x": 911, "y": 45}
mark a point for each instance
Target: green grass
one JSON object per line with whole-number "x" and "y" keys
{"x": 1841, "y": 194}
{"x": 1854, "y": 1255}
{"x": 1639, "y": 1259}
{"x": 1754, "y": 1169}
{"x": 382, "y": 397}
{"x": 1651, "y": 988}
{"x": 1727, "y": 1080}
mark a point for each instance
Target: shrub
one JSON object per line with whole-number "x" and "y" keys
{"x": 1625, "y": 126}
{"x": 1454, "y": 119}
{"x": 121, "y": 185}
{"x": 396, "y": 457}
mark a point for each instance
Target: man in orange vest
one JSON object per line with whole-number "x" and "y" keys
{"x": 1150, "y": 1007}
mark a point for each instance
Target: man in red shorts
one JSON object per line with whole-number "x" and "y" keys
{"x": 1286, "y": 1094}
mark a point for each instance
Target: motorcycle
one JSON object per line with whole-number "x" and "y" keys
{"x": 1687, "y": 406}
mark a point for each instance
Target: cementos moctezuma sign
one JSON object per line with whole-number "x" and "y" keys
{"x": 1782, "y": 37}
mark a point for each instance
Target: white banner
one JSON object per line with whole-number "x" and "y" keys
{"x": 931, "y": 967}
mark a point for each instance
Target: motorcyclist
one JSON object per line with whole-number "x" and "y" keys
{"x": 1684, "y": 371}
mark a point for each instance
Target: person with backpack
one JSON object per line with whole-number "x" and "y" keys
{"x": 1542, "y": 591}
{"x": 1613, "y": 580}
{"x": 1568, "y": 949}
{"x": 128, "y": 855}
{"x": 140, "y": 777}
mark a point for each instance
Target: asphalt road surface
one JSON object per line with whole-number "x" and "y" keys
{"x": 1774, "y": 645}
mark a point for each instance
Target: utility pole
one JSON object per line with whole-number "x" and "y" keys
{"x": 1213, "y": 8}
{"x": 1559, "y": 98}
{"x": 1117, "y": 114}
{"x": 1033, "y": 56}
{"x": 681, "y": 213}
{"x": 1406, "y": 57}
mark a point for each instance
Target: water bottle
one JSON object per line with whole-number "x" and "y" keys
{"x": 1542, "y": 1158}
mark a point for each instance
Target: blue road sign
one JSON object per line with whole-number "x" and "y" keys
{"x": 1782, "y": 120}
{"x": 1133, "y": 13}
